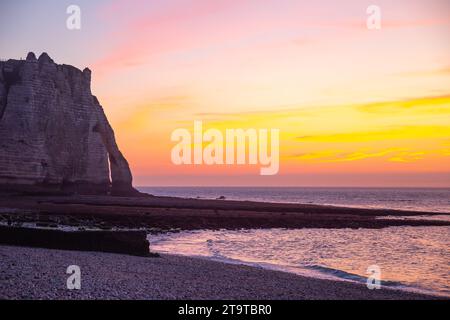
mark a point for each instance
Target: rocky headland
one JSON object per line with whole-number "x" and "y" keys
{"x": 54, "y": 134}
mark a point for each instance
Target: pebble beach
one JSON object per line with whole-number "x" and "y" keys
{"x": 38, "y": 273}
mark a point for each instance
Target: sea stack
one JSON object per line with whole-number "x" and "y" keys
{"x": 54, "y": 134}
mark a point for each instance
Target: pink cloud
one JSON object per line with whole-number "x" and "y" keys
{"x": 155, "y": 32}
{"x": 150, "y": 29}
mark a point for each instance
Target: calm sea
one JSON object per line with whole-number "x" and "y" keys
{"x": 435, "y": 200}
{"x": 410, "y": 258}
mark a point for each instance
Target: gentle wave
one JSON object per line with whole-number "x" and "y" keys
{"x": 411, "y": 258}
{"x": 351, "y": 276}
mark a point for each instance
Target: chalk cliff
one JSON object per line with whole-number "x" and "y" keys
{"x": 54, "y": 133}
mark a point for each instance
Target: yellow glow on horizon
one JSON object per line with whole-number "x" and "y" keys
{"x": 393, "y": 136}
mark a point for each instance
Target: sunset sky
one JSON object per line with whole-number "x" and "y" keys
{"x": 355, "y": 107}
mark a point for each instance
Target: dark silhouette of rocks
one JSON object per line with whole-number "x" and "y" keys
{"x": 127, "y": 242}
{"x": 54, "y": 134}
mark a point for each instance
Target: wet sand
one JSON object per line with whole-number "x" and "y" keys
{"x": 165, "y": 213}
{"x": 35, "y": 273}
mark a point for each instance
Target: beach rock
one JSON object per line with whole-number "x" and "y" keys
{"x": 54, "y": 133}
{"x": 127, "y": 242}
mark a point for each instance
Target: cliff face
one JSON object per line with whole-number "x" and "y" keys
{"x": 54, "y": 133}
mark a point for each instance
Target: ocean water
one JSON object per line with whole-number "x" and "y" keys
{"x": 415, "y": 199}
{"x": 409, "y": 258}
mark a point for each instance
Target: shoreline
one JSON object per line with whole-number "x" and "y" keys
{"x": 201, "y": 245}
{"x": 114, "y": 276}
{"x": 317, "y": 276}
{"x": 167, "y": 213}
